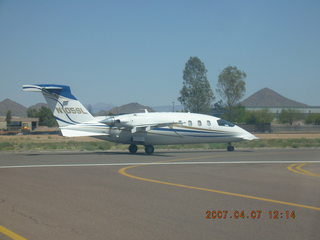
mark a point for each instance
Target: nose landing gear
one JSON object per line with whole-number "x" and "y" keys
{"x": 230, "y": 148}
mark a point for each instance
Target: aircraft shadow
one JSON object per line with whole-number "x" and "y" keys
{"x": 164, "y": 153}
{"x": 158, "y": 154}
{"x": 203, "y": 151}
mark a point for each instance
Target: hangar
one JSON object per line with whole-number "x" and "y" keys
{"x": 19, "y": 123}
{"x": 267, "y": 98}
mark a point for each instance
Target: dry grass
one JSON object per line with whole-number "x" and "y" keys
{"x": 50, "y": 138}
{"x": 56, "y": 142}
{"x": 288, "y": 135}
{"x": 56, "y": 138}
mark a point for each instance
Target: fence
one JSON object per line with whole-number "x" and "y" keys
{"x": 281, "y": 128}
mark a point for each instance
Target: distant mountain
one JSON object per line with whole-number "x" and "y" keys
{"x": 15, "y": 108}
{"x": 39, "y": 105}
{"x": 266, "y": 97}
{"x": 167, "y": 108}
{"x": 127, "y": 108}
{"x": 97, "y": 107}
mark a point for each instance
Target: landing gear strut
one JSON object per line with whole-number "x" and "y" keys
{"x": 133, "y": 148}
{"x": 149, "y": 149}
{"x": 230, "y": 148}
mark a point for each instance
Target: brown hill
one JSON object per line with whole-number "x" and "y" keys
{"x": 127, "y": 108}
{"x": 15, "y": 108}
{"x": 268, "y": 98}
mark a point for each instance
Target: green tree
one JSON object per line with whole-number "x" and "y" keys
{"x": 218, "y": 109}
{"x": 8, "y": 117}
{"x": 231, "y": 88}
{"x": 238, "y": 115}
{"x": 261, "y": 119}
{"x": 196, "y": 94}
{"x": 32, "y": 113}
{"x": 289, "y": 116}
{"x": 263, "y": 116}
{"x": 45, "y": 116}
{"x": 313, "y": 118}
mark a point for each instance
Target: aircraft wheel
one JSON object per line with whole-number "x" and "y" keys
{"x": 230, "y": 148}
{"x": 149, "y": 149}
{"x": 133, "y": 148}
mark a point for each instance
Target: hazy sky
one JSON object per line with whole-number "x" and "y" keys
{"x": 135, "y": 51}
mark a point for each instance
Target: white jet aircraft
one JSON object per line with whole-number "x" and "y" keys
{"x": 147, "y": 129}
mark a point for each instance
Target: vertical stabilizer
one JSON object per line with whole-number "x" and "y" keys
{"x": 66, "y": 109}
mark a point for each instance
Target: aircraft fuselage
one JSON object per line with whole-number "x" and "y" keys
{"x": 185, "y": 128}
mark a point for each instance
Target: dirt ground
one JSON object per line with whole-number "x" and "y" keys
{"x": 45, "y": 138}
{"x": 57, "y": 138}
{"x": 288, "y": 135}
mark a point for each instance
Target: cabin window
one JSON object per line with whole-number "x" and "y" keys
{"x": 199, "y": 123}
{"x": 208, "y": 123}
{"x": 225, "y": 123}
{"x": 189, "y": 123}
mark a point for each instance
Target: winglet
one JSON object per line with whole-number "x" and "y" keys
{"x": 61, "y": 90}
{"x": 39, "y": 88}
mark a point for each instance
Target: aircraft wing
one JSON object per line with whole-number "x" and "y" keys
{"x": 148, "y": 127}
{"x": 136, "y": 128}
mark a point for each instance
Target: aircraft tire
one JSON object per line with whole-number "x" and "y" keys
{"x": 230, "y": 148}
{"x": 149, "y": 149}
{"x": 133, "y": 148}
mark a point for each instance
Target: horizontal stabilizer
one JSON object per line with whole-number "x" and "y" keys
{"x": 40, "y": 87}
{"x": 79, "y": 133}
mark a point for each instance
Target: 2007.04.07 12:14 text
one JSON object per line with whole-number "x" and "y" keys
{"x": 250, "y": 214}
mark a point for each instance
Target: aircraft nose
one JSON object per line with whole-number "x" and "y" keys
{"x": 248, "y": 136}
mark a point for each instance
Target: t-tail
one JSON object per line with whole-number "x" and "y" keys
{"x": 66, "y": 109}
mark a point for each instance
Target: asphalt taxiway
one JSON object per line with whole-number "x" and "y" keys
{"x": 250, "y": 194}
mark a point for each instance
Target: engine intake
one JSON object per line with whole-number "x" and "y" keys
{"x": 111, "y": 121}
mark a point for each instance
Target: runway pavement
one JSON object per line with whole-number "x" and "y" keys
{"x": 265, "y": 194}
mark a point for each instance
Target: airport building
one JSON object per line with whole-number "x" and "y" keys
{"x": 19, "y": 123}
{"x": 268, "y": 99}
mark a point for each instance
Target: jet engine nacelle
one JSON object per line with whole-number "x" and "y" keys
{"x": 111, "y": 121}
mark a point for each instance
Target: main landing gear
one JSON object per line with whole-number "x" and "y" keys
{"x": 230, "y": 148}
{"x": 133, "y": 148}
{"x": 149, "y": 149}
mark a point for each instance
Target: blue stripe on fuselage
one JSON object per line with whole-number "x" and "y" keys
{"x": 186, "y": 131}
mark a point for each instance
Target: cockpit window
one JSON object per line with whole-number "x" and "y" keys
{"x": 224, "y": 123}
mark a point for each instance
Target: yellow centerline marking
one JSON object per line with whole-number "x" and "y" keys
{"x": 123, "y": 171}
{"x": 10, "y": 234}
{"x": 297, "y": 168}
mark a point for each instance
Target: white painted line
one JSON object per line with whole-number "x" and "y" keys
{"x": 153, "y": 163}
